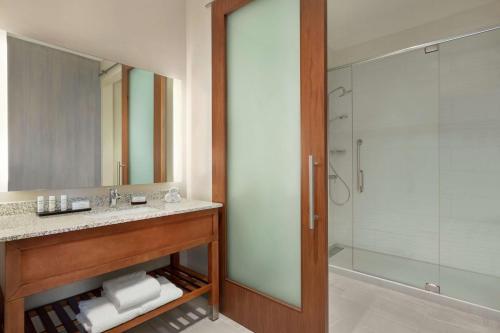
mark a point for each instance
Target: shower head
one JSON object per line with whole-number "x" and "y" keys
{"x": 343, "y": 91}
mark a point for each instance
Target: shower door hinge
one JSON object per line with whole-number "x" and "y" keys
{"x": 431, "y": 48}
{"x": 433, "y": 288}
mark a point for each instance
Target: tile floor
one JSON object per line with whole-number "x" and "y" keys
{"x": 359, "y": 307}
{"x": 469, "y": 286}
{"x": 190, "y": 318}
{"x": 355, "y": 307}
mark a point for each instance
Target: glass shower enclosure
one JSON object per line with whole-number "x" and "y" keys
{"x": 414, "y": 147}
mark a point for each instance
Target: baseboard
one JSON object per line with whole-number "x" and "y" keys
{"x": 420, "y": 293}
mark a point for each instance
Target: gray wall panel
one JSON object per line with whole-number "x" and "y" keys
{"x": 54, "y": 118}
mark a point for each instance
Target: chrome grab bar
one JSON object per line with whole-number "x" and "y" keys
{"x": 360, "y": 173}
{"x": 312, "y": 216}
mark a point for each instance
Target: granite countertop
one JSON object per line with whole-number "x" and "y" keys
{"x": 13, "y": 227}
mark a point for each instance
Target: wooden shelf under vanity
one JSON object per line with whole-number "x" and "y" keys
{"x": 192, "y": 284}
{"x": 37, "y": 264}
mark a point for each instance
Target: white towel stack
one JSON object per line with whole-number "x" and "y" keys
{"x": 131, "y": 290}
{"x": 124, "y": 299}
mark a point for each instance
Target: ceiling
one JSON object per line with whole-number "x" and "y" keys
{"x": 148, "y": 36}
{"x": 353, "y": 22}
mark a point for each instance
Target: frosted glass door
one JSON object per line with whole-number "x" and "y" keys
{"x": 264, "y": 148}
{"x": 396, "y": 168}
{"x": 141, "y": 126}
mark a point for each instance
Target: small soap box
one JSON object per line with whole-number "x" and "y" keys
{"x": 138, "y": 200}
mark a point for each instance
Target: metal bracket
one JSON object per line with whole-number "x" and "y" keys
{"x": 431, "y": 48}
{"x": 214, "y": 315}
{"x": 433, "y": 287}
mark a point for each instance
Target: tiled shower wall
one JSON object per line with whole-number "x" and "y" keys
{"x": 340, "y": 138}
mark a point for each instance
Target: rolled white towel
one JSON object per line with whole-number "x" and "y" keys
{"x": 169, "y": 292}
{"x": 135, "y": 276}
{"x": 129, "y": 293}
{"x": 99, "y": 314}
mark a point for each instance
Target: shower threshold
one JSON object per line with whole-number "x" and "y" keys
{"x": 473, "y": 287}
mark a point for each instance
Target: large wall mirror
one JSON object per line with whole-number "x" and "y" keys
{"x": 79, "y": 121}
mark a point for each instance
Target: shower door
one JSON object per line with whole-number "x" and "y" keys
{"x": 396, "y": 168}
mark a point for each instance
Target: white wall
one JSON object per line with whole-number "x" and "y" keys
{"x": 465, "y": 22}
{"x": 148, "y": 34}
{"x": 199, "y": 99}
{"x": 198, "y": 110}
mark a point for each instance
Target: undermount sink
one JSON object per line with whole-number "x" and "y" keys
{"x": 124, "y": 212}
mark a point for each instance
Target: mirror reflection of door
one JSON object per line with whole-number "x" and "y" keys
{"x": 111, "y": 120}
{"x": 146, "y": 105}
{"x": 136, "y": 115}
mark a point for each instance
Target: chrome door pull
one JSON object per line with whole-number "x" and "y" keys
{"x": 312, "y": 216}
{"x": 360, "y": 173}
{"x": 119, "y": 172}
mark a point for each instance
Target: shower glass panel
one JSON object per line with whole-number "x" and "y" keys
{"x": 417, "y": 145}
{"x": 396, "y": 164}
{"x": 469, "y": 168}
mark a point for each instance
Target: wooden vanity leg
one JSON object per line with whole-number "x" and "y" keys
{"x": 14, "y": 316}
{"x": 213, "y": 277}
{"x": 175, "y": 259}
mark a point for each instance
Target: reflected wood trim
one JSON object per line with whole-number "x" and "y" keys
{"x": 125, "y": 113}
{"x": 258, "y": 312}
{"x": 160, "y": 171}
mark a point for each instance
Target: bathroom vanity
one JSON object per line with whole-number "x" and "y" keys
{"x": 38, "y": 254}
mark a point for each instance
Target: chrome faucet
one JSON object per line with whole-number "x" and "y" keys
{"x": 114, "y": 196}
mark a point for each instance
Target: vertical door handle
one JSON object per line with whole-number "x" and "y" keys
{"x": 118, "y": 173}
{"x": 360, "y": 173}
{"x": 312, "y": 216}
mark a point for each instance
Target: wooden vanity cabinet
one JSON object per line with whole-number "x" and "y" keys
{"x": 38, "y": 264}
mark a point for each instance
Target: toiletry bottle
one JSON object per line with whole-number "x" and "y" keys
{"x": 64, "y": 202}
{"x": 52, "y": 203}
{"x": 40, "y": 204}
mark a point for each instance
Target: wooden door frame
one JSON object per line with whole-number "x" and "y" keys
{"x": 256, "y": 311}
{"x": 125, "y": 111}
{"x": 159, "y": 145}
{"x": 159, "y": 137}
